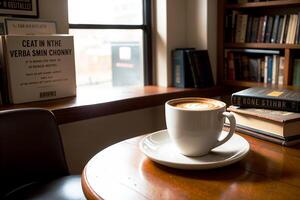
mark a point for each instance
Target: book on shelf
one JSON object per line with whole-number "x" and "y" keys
{"x": 254, "y": 65}
{"x": 296, "y": 72}
{"x": 281, "y": 70}
{"x": 269, "y": 28}
{"x": 269, "y": 98}
{"x": 278, "y": 29}
{"x": 201, "y": 68}
{"x": 275, "y": 69}
{"x": 35, "y": 68}
{"x": 275, "y": 126}
{"x": 191, "y": 68}
{"x": 181, "y": 70}
{"x": 275, "y": 29}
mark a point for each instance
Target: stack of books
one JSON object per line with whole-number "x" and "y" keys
{"x": 269, "y": 114}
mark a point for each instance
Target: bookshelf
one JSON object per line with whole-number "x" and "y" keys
{"x": 255, "y": 9}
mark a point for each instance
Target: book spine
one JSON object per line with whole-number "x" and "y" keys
{"x": 275, "y": 29}
{"x": 270, "y": 69}
{"x": 243, "y": 28}
{"x": 286, "y": 28}
{"x": 231, "y": 67}
{"x": 266, "y": 103}
{"x": 238, "y": 30}
{"x": 261, "y": 136}
{"x": 178, "y": 68}
{"x": 248, "y": 31}
{"x": 283, "y": 29}
{"x": 254, "y": 27}
{"x": 266, "y": 70}
{"x": 269, "y": 29}
{"x": 280, "y": 28}
{"x": 281, "y": 71}
{"x": 275, "y": 69}
{"x": 263, "y": 34}
{"x": 193, "y": 69}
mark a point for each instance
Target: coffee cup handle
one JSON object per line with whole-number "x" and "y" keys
{"x": 231, "y": 130}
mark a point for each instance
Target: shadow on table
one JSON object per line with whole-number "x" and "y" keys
{"x": 253, "y": 168}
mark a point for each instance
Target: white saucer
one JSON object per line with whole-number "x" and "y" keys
{"x": 159, "y": 148}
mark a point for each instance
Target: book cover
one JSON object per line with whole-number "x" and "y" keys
{"x": 296, "y": 72}
{"x": 203, "y": 73}
{"x": 182, "y": 75}
{"x": 268, "y": 98}
{"x": 39, "y": 67}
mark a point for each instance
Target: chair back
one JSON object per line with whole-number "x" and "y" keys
{"x": 30, "y": 148}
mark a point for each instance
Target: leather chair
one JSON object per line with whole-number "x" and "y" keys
{"x": 32, "y": 160}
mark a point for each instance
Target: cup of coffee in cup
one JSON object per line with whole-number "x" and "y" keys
{"x": 195, "y": 124}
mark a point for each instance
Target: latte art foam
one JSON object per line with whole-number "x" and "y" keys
{"x": 197, "y": 105}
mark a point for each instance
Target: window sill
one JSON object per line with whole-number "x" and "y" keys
{"x": 92, "y": 102}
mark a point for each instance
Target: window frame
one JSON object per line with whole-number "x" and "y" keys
{"x": 147, "y": 37}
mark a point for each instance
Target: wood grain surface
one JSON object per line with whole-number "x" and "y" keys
{"x": 91, "y": 102}
{"x": 121, "y": 171}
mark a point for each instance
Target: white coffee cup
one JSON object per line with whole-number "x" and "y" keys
{"x": 195, "y": 124}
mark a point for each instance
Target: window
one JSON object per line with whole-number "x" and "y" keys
{"x": 112, "y": 41}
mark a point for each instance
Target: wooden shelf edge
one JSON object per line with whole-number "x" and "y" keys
{"x": 262, "y": 45}
{"x": 97, "y": 103}
{"x": 263, "y": 4}
{"x": 244, "y": 83}
{"x": 247, "y": 84}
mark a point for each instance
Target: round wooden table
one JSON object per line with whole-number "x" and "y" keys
{"x": 121, "y": 171}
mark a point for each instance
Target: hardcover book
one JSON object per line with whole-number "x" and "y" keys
{"x": 268, "y": 124}
{"x": 182, "y": 74}
{"x": 201, "y": 69}
{"x": 268, "y": 98}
